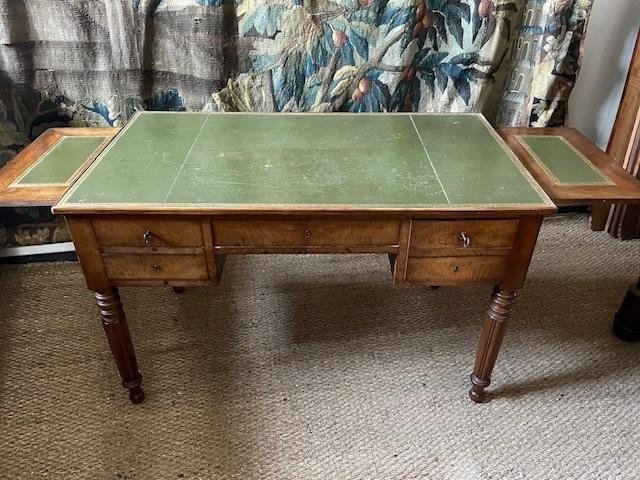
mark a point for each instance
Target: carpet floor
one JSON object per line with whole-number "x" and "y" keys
{"x": 317, "y": 367}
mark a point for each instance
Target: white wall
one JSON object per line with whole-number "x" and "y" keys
{"x": 611, "y": 36}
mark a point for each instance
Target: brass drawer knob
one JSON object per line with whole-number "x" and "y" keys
{"x": 156, "y": 267}
{"x": 307, "y": 234}
{"x": 146, "y": 236}
{"x": 465, "y": 239}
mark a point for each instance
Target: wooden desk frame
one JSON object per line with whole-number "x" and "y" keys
{"x": 459, "y": 248}
{"x": 185, "y": 245}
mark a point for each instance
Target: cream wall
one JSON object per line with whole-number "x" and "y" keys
{"x": 611, "y": 36}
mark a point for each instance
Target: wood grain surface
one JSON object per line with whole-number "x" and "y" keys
{"x": 455, "y": 270}
{"x": 160, "y": 232}
{"x": 306, "y": 232}
{"x": 155, "y": 266}
{"x": 427, "y": 237}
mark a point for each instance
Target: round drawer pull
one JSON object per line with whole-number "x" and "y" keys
{"x": 307, "y": 234}
{"x": 146, "y": 236}
{"x": 465, "y": 239}
{"x": 156, "y": 267}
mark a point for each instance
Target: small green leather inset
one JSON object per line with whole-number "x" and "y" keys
{"x": 568, "y": 166}
{"x": 61, "y": 162}
{"x": 310, "y": 159}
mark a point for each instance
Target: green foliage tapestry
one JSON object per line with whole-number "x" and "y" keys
{"x": 94, "y": 63}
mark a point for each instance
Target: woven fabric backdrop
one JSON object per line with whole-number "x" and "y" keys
{"x": 94, "y": 63}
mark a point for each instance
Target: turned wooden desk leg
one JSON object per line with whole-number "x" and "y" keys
{"x": 115, "y": 326}
{"x": 490, "y": 341}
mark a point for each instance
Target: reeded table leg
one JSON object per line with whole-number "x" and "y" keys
{"x": 115, "y": 326}
{"x": 490, "y": 341}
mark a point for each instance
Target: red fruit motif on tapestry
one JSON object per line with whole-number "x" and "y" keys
{"x": 485, "y": 8}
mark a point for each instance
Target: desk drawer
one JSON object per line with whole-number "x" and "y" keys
{"x": 151, "y": 232}
{"x": 155, "y": 267}
{"x": 305, "y": 232}
{"x": 433, "y": 238}
{"x": 456, "y": 270}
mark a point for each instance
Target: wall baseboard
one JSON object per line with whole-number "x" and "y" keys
{"x": 34, "y": 250}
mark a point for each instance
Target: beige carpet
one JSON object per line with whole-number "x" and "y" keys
{"x": 317, "y": 367}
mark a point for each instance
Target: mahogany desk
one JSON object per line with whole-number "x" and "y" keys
{"x": 174, "y": 193}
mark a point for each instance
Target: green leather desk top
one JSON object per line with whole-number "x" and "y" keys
{"x": 281, "y": 161}
{"x": 59, "y": 165}
{"x": 562, "y": 161}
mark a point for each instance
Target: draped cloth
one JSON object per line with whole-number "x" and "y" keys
{"x": 94, "y": 63}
